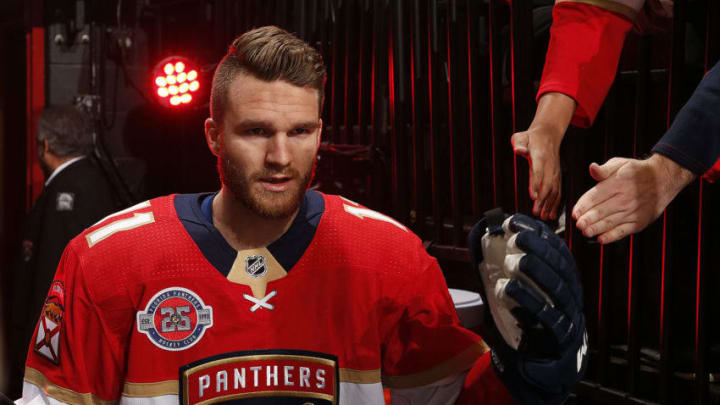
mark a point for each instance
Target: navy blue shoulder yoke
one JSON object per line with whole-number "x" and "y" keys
{"x": 195, "y": 213}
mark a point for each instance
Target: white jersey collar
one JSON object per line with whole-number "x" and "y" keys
{"x": 61, "y": 168}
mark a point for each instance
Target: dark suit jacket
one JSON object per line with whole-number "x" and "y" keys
{"x": 693, "y": 140}
{"x": 76, "y": 198}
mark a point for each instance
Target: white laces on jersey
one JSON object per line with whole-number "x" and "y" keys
{"x": 261, "y": 303}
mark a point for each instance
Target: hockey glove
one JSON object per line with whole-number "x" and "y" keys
{"x": 533, "y": 321}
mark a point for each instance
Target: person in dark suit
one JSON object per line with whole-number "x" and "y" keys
{"x": 76, "y": 195}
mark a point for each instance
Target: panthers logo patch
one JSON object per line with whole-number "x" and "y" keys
{"x": 175, "y": 319}
{"x": 279, "y": 376}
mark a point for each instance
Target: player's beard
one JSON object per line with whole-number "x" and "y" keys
{"x": 265, "y": 204}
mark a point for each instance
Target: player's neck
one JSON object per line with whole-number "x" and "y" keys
{"x": 54, "y": 161}
{"x": 242, "y": 228}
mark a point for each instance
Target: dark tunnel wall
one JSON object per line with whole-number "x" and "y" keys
{"x": 421, "y": 100}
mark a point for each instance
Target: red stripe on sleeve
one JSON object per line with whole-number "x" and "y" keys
{"x": 714, "y": 172}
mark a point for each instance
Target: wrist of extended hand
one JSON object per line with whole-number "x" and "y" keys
{"x": 554, "y": 113}
{"x": 549, "y": 132}
{"x": 676, "y": 176}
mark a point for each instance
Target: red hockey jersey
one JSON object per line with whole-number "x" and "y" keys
{"x": 152, "y": 305}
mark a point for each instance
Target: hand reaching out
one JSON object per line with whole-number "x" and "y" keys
{"x": 540, "y": 144}
{"x": 630, "y": 194}
{"x": 541, "y": 147}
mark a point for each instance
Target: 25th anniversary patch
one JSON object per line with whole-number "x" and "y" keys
{"x": 175, "y": 319}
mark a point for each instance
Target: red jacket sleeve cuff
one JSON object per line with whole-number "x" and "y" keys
{"x": 714, "y": 172}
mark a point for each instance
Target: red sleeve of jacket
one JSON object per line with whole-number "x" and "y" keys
{"x": 714, "y": 172}
{"x": 483, "y": 386}
{"x": 582, "y": 57}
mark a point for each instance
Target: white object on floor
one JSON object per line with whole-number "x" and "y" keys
{"x": 469, "y": 307}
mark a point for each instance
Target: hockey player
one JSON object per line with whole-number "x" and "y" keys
{"x": 269, "y": 293}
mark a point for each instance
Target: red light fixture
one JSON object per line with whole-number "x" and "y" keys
{"x": 175, "y": 78}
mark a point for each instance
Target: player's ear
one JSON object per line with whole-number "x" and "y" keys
{"x": 212, "y": 136}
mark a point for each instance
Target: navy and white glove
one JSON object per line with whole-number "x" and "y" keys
{"x": 533, "y": 320}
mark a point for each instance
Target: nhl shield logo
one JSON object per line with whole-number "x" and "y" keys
{"x": 255, "y": 266}
{"x": 175, "y": 319}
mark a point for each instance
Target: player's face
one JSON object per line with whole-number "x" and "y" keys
{"x": 268, "y": 143}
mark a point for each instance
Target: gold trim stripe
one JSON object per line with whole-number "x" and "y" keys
{"x": 485, "y": 347}
{"x": 457, "y": 364}
{"x": 141, "y": 390}
{"x": 59, "y": 393}
{"x": 618, "y": 8}
{"x": 268, "y": 394}
{"x": 349, "y": 375}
